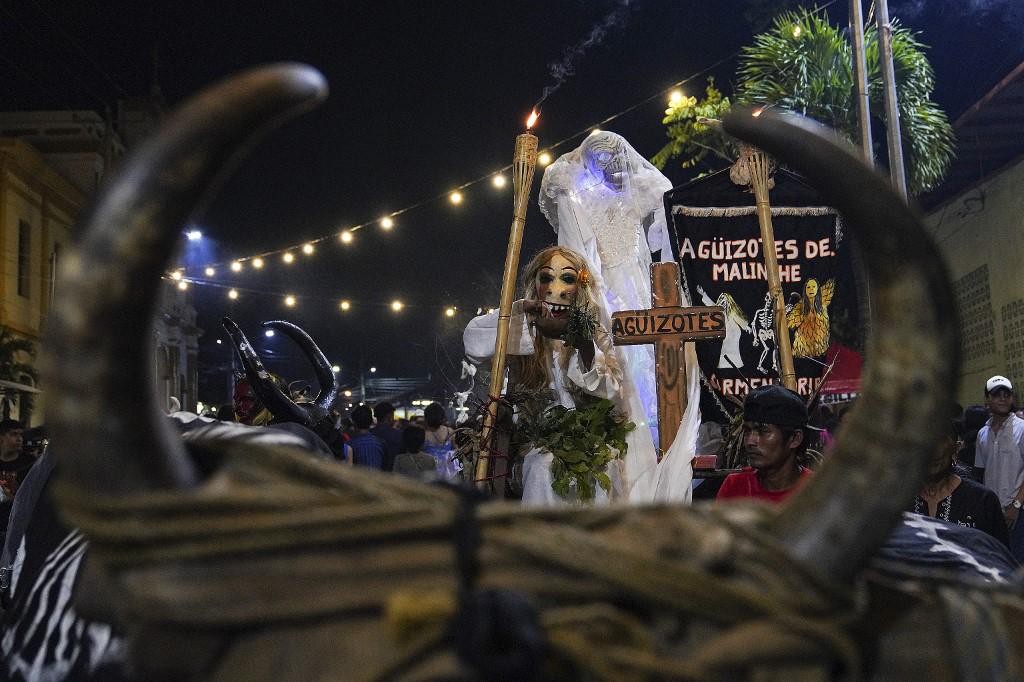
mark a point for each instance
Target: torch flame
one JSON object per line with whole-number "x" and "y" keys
{"x": 534, "y": 115}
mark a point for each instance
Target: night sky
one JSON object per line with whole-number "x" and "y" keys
{"x": 424, "y": 97}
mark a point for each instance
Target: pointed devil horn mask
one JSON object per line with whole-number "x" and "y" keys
{"x": 270, "y": 394}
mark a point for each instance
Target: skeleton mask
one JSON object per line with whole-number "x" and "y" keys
{"x": 605, "y": 157}
{"x": 557, "y": 283}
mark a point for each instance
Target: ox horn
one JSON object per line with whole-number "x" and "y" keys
{"x": 852, "y": 503}
{"x": 324, "y": 375}
{"x": 108, "y": 430}
{"x": 270, "y": 394}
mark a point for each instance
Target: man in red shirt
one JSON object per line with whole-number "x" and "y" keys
{"x": 774, "y": 419}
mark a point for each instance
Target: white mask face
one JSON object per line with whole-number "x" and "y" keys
{"x": 557, "y": 282}
{"x": 605, "y": 158}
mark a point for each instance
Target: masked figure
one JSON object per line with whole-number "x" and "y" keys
{"x": 262, "y": 398}
{"x": 605, "y": 201}
{"x": 554, "y": 280}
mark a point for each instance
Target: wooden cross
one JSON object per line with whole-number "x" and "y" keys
{"x": 667, "y": 325}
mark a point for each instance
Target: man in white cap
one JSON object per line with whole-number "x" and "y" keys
{"x": 1000, "y": 452}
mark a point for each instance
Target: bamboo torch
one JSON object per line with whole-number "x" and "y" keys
{"x": 761, "y": 166}
{"x": 524, "y": 161}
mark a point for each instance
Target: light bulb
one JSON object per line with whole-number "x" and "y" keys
{"x": 257, "y": 263}
{"x": 498, "y": 181}
{"x": 233, "y": 294}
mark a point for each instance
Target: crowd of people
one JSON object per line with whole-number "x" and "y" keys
{"x": 975, "y": 478}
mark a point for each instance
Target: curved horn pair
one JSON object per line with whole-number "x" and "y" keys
{"x": 280, "y": 405}
{"x": 108, "y": 430}
{"x": 99, "y": 374}
{"x": 269, "y": 393}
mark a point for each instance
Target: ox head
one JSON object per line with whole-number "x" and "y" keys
{"x": 111, "y": 440}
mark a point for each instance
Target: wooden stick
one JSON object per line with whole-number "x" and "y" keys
{"x": 523, "y": 163}
{"x": 760, "y": 167}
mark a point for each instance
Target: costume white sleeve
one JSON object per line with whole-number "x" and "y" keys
{"x": 599, "y": 380}
{"x": 481, "y": 332}
{"x": 657, "y": 236}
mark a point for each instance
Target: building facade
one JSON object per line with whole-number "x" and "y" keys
{"x": 51, "y": 164}
{"x": 977, "y": 220}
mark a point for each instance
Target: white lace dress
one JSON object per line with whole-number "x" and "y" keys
{"x": 607, "y": 226}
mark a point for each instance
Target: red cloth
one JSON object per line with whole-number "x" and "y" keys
{"x": 745, "y": 484}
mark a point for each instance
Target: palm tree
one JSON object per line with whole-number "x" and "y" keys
{"x": 13, "y": 351}
{"x": 804, "y": 64}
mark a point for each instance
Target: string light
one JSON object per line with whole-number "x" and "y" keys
{"x": 373, "y": 370}
{"x": 450, "y": 312}
{"x": 183, "y": 285}
{"x": 335, "y": 369}
{"x": 595, "y": 131}
{"x": 675, "y": 98}
{"x": 397, "y": 305}
{"x": 210, "y": 272}
{"x": 289, "y": 301}
{"x": 499, "y": 180}
{"x": 345, "y": 306}
{"x": 288, "y": 257}
{"x": 233, "y": 294}
{"x": 348, "y": 394}
{"x": 307, "y": 249}
{"x": 176, "y": 275}
{"x": 269, "y": 333}
{"x": 796, "y": 30}
{"x": 455, "y": 198}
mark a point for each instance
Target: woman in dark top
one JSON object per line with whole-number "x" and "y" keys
{"x": 948, "y": 496}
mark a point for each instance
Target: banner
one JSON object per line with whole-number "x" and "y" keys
{"x": 716, "y": 239}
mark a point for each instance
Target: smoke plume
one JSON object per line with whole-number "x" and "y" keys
{"x": 566, "y": 67}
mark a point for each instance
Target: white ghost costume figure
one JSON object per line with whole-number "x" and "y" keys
{"x": 554, "y": 277}
{"x": 606, "y": 202}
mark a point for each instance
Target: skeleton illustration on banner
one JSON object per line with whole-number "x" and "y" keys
{"x": 605, "y": 201}
{"x": 763, "y": 330}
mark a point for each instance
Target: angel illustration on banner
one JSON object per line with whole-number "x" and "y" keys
{"x": 735, "y": 324}
{"x": 809, "y": 318}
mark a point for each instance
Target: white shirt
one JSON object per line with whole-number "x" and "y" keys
{"x": 1002, "y": 456}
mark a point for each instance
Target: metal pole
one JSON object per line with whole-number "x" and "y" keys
{"x": 892, "y": 114}
{"x": 860, "y": 77}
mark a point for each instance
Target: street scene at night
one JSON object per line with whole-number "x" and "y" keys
{"x": 608, "y": 339}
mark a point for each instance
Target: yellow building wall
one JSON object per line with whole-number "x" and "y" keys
{"x": 981, "y": 235}
{"x": 33, "y": 192}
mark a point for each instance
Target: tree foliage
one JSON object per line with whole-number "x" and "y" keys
{"x": 804, "y": 64}
{"x": 13, "y": 351}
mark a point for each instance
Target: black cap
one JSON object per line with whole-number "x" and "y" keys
{"x": 774, "y": 404}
